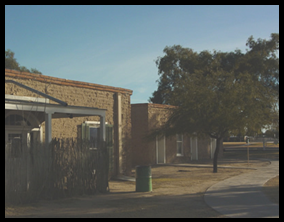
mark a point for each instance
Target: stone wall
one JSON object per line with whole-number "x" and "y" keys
{"x": 158, "y": 115}
{"x": 147, "y": 117}
{"x": 205, "y": 152}
{"x": 141, "y": 148}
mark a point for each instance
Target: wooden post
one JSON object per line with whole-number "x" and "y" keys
{"x": 248, "y": 153}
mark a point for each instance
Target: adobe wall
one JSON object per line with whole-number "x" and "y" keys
{"x": 78, "y": 94}
{"x": 205, "y": 152}
{"x": 141, "y": 148}
{"x": 171, "y": 150}
{"x": 157, "y": 116}
{"x": 148, "y": 116}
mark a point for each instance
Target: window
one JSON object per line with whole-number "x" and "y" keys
{"x": 15, "y": 144}
{"x": 94, "y": 136}
{"x": 91, "y": 132}
{"x": 179, "y": 145}
{"x": 16, "y": 120}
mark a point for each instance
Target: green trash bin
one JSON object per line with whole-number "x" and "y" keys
{"x": 143, "y": 179}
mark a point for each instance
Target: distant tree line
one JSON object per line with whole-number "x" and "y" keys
{"x": 11, "y": 63}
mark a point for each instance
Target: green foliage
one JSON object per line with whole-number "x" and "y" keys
{"x": 260, "y": 61}
{"x": 219, "y": 92}
{"x": 10, "y": 60}
{"x": 11, "y": 63}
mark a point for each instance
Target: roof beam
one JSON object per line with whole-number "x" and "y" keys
{"x": 37, "y": 92}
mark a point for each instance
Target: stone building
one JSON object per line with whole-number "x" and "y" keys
{"x": 176, "y": 149}
{"x": 83, "y": 110}
{"x": 40, "y": 107}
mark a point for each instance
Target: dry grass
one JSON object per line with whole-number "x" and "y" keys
{"x": 251, "y": 145}
{"x": 177, "y": 192}
{"x": 271, "y": 189}
{"x": 253, "y": 154}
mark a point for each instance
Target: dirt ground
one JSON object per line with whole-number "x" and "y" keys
{"x": 177, "y": 192}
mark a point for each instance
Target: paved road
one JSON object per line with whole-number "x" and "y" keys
{"x": 241, "y": 196}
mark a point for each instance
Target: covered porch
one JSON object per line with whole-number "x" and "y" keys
{"x": 27, "y": 166}
{"x": 18, "y": 122}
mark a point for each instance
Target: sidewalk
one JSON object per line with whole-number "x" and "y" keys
{"x": 241, "y": 196}
{"x": 197, "y": 165}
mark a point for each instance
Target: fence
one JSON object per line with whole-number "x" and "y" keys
{"x": 65, "y": 168}
{"x": 253, "y": 139}
{"x": 265, "y": 139}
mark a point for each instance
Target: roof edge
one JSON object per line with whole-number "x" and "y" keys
{"x": 155, "y": 105}
{"x": 66, "y": 82}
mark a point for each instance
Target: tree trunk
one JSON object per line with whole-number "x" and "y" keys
{"x": 216, "y": 153}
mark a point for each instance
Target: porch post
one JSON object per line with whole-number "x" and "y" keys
{"x": 48, "y": 130}
{"x": 118, "y": 137}
{"x": 103, "y": 128}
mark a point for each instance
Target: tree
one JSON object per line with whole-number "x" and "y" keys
{"x": 218, "y": 92}
{"x": 11, "y": 63}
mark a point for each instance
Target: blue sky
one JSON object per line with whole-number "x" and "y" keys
{"x": 118, "y": 45}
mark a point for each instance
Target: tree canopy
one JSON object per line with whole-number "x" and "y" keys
{"x": 219, "y": 92}
{"x": 11, "y": 63}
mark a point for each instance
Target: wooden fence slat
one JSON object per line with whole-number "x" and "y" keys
{"x": 65, "y": 168}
